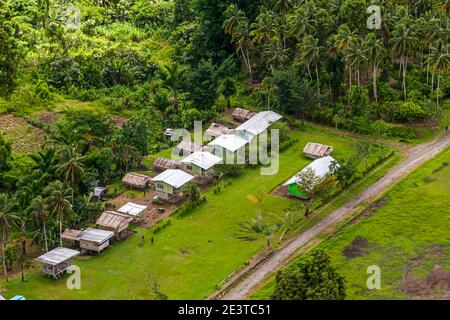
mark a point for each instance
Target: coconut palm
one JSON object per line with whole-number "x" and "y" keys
{"x": 235, "y": 18}
{"x": 171, "y": 79}
{"x": 275, "y": 55}
{"x": 301, "y": 24}
{"x": 263, "y": 29}
{"x": 310, "y": 54}
{"x": 356, "y": 55}
{"x": 39, "y": 215}
{"x": 403, "y": 43}
{"x": 244, "y": 44}
{"x": 439, "y": 59}
{"x": 71, "y": 170}
{"x": 281, "y": 7}
{"x": 8, "y": 219}
{"x": 58, "y": 203}
{"x": 376, "y": 52}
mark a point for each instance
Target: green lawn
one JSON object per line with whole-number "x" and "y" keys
{"x": 410, "y": 232}
{"x": 191, "y": 256}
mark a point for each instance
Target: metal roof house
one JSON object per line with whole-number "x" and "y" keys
{"x": 162, "y": 164}
{"x": 316, "y": 150}
{"x": 115, "y": 222}
{"x": 200, "y": 162}
{"x": 136, "y": 180}
{"x": 228, "y": 147}
{"x": 321, "y": 168}
{"x": 95, "y": 240}
{"x": 132, "y": 209}
{"x": 168, "y": 185}
{"x": 257, "y": 125}
{"x": 57, "y": 261}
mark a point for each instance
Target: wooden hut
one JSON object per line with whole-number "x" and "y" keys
{"x": 57, "y": 261}
{"x": 95, "y": 240}
{"x": 162, "y": 164}
{"x": 132, "y": 210}
{"x": 185, "y": 148}
{"x": 316, "y": 150}
{"x": 215, "y": 131}
{"x": 72, "y": 236}
{"x": 136, "y": 180}
{"x": 115, "y": 222}
{"x": 242, "y": 115}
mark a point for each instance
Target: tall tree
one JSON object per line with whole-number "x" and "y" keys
{"x": 172, "y": 79}
{"x": 228, "y": 89}
{"x": 8, "y": 219}
{"x": 439, "y": 59}
{"x": 71, "y": 170}
{"x": 376, "y": 52}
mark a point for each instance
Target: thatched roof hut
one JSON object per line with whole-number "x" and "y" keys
{"x": 162, "y": 164}
{"x": 316, "y": 150}
{"x": 243, "y": 114}
{"x": 114, "y": 221}
{"x": 185, "y": 148}
{"x": 216, "y": 130}
{"x": 136, "y": 180}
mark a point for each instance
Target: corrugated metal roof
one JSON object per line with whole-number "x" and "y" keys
{"x": 111, "y": 219}
{"x": 320, "y": 166}
{"x": 229, "y": 142}
{"x": 174, "y": 177}
{"x": 132, "y": 209}
{"x": 317, "y": 149}
{"x": 96, "y": 235}
{"x": 203, "y": 159}
{"x": 260, "y": 122}
{"x": 57, "y": 256}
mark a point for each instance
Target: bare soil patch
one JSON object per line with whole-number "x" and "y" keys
{"x": 120, "y": 121}
{"x": 47, "y": 117}
{"x": 358, "y": 248}
{"x": 24, "y": 137}
{"x": 436, "y": 285}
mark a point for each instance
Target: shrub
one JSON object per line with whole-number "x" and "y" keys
{"x": 409, "y": 112}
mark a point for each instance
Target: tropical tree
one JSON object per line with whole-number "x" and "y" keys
{"x": 235, "y": 18}
{"x": 228, "y": 89}
{"x": 71, "y": 170}
{"x": 301, "y": 23}
{"x": 356, "y": 56}
{"x": 282, "y": 7}
{"x": 439, "y": 59}
{"x": 310, "y": 54}
{"x": 8, "y": 219}
{"x": 39, "y": 215}
{"x": 172, "y": 79}
{"x": 403, "y": 43}
{"x": 263, "y": 29}
{"x": 58, "y": 202}
{"x": 376, "y": 51}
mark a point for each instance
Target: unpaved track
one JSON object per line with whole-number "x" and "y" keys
{"x": 414, "y": 157}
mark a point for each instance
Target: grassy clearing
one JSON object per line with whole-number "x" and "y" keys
{"x": 193, "y": 254}
{"x": 24, "y": 137}
{"x": 407, "y": 237}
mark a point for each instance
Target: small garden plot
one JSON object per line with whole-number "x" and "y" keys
{"x": 24, "y": 137}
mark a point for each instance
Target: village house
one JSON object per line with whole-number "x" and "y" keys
{"x": 242, "y": 115}
{"x": 95, "y": 240}
{"x": 132, "y": 209}
{"x": 200, "y": 164}
{"x": 162, "y": 164}
{"x": 169, "y": 184}
{"x": 316, "y": 150}
{"x": 57, "y": 261}
{"x": 115, "y": 222}
{"x": 229, "y": 147}
{"x": 186, "y": 147}
{"x": 216, "y": 130}
{"x": 257, "y": 125}
{"x": 136, "y": 181}
{"x": 321, "y": 168}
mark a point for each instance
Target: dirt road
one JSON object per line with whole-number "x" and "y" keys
{"x": 251, "y": 279}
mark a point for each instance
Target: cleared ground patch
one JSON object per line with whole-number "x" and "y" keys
{"x": 24, "y": 137}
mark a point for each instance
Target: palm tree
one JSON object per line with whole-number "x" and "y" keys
{"x": 301, "y": 24}
{"x": 310, "y": 53}
{"x": 439, "y": 59}
{"x": 58, "y": 203}
{"x": 356, "y": 55}
{"x": 275, "y": 55}
{"x": 171, "y": 79}
{"x": 243, "y": 44}
{"x": 235, "y": 18}
{"x": 263, "y": 29}
{"x": 376, "y": 51}
{"x": 71, "y": 170}
{"x": 8, "y": 219}
{"x": 281, "y": 7}
{"x": 403, "y": 43}
{"x": 341, "y": 42}
{"x": 39, "y": 216}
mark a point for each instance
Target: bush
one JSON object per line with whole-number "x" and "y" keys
{"x": 149, "y": 14}
{"x": 409, "y": 112}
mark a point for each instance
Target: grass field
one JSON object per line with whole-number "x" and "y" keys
{"x": 406, "y": 233}
{"x": 193, "y": 254}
